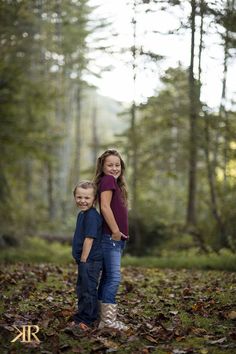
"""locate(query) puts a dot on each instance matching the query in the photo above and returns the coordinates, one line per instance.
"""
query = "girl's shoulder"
(107, 182)
(108, 178)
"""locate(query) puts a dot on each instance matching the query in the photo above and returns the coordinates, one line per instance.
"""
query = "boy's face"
(112, 166)
(84, 198)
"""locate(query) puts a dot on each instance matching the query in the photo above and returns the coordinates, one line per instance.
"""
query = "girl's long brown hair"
(120, 180)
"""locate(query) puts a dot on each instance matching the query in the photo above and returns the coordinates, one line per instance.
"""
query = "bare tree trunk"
(194, 100)
(223, 113)
(211, 181)
(202, 6)
(28, 180)
(77, 162)
(134, 157)
(95, 142)
(191, 208)
(5, 191)
(50, 186)
(59, 118)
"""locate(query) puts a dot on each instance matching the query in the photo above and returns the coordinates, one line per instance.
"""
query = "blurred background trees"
(181, 154)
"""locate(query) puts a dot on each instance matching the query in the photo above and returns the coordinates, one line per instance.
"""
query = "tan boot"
(108, 318)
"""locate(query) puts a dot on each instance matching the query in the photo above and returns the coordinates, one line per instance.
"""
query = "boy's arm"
(106, 197)
(88, 242)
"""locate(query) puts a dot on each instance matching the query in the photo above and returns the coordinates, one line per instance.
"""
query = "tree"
(193, 107)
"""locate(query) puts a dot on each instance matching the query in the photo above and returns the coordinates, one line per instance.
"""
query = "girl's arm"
(108, 214)
(88, 242)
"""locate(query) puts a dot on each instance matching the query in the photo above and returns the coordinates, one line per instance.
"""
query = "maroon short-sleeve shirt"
(118, 206)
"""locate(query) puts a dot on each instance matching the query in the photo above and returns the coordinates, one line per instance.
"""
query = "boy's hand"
(88, 242)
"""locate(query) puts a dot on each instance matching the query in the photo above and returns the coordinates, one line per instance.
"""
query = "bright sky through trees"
(118, 84)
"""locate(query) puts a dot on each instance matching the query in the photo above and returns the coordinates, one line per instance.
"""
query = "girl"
(112, 192)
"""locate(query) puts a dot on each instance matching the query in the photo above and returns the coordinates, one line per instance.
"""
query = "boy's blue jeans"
(86, 288)
(111, 274)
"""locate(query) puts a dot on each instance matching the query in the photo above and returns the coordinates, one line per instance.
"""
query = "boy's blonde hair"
(86, 185)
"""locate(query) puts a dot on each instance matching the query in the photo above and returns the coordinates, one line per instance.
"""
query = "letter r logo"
(27, 334)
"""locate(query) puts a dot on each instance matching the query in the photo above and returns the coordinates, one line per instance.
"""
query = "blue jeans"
(111, 274)
(86, 288)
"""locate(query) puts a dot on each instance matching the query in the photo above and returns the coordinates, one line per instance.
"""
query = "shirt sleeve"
(108, 183)
(92, 224)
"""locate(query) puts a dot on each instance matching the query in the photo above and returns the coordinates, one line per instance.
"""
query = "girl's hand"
(124, 237)
(116, 236)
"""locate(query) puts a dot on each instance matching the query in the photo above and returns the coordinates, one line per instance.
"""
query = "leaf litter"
(168, 311)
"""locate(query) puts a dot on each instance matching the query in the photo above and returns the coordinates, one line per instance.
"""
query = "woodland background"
(181, 171)
(180, 154)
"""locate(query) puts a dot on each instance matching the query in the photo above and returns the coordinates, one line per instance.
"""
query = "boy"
(86, 250)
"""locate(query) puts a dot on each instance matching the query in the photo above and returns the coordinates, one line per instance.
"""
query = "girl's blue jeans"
(111, 274)
(86, 288)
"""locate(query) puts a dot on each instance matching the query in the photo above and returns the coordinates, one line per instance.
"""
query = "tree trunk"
(59, 118)
(223, 113)
(77, 162)
(95, 142)
(211, 181)
(134, 158)
(202, 7)
(50, 184)
(191, 208)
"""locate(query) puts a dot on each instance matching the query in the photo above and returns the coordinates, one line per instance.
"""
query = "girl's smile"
(112, 166)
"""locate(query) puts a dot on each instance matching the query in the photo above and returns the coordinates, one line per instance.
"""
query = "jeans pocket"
(114, 239)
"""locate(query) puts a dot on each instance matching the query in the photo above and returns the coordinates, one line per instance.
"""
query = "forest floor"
(168, 311)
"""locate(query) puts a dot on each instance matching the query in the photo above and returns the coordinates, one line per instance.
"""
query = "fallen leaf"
(50, 298)
(179, 339)
(198, 331)
(151, 339)
(174, 313)
(232, 315)
(218, 341)
(179, 351)
(233, 335)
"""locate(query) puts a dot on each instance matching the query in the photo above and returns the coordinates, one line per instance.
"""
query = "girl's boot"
(108, 318)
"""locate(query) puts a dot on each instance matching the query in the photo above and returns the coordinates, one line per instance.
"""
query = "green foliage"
(41, 46)
(154, 234)
(43, 65)
(162, 150)
(37, 250)
(34, 250)
(162, 184)
(190, 259)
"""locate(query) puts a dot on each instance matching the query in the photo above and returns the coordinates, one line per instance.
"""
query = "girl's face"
(112, 166)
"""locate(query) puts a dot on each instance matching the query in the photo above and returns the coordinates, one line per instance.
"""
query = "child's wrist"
(116, 233)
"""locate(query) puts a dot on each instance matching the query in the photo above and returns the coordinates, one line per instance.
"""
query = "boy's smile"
(84, 198)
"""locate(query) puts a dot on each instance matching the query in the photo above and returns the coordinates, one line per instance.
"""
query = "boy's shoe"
(74, 325)
(83, 326)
